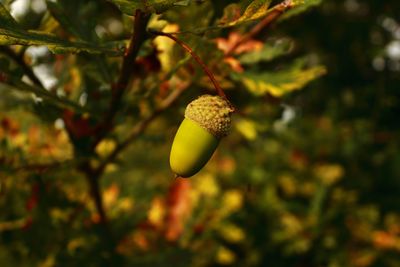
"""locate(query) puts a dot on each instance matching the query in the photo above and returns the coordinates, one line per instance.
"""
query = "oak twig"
(19, 59)
(196, 57)
(93, 180)
(136, 41)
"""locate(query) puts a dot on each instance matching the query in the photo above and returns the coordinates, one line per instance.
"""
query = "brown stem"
(137, 39)
(93, 179)
(118, 89)
(197, 58)
(95, 192)
(19, 59)
(276, 12)
(92, 175)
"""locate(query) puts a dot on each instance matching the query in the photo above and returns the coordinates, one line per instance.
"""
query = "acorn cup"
(207, 120)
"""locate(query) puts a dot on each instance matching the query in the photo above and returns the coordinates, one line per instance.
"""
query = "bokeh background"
(309, 176)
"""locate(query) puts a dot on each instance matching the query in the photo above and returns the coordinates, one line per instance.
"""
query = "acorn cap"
(213, 113)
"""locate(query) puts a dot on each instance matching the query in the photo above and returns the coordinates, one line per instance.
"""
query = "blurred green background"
(306, 178)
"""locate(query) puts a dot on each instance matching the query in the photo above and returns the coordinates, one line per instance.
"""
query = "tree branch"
(137, 39)
(19, 59)
(95, 193)
(276, 12)
(197, 58)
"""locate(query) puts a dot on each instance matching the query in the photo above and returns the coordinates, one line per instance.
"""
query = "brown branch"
(276, 12)
(140, 128)
(197, 58)
(19, 59)
(95, 193)
(136, 41)
(93, 182)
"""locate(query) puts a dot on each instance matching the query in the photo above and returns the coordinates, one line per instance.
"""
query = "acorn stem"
(196, 57)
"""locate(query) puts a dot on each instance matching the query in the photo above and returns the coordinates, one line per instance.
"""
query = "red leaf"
(78, 126)
(180, 207)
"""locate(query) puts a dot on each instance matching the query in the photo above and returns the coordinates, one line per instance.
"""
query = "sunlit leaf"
(281, 82)
(232, 233)
(329, 173)
(255, 10)
(225, 256)
(247, 128)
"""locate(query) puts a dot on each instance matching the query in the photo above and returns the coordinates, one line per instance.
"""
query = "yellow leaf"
(247, 128)
(110, 195)
(48, 262)
(207, 185)
(280, 83)
(231, 233)
(157, 211)
(225, 256)
(75, 244)
(329, 173)
(105, 147)
(19, 140)
(288, 184)
(126, 204)
(255, 10)
(232, 200)
(166, 46)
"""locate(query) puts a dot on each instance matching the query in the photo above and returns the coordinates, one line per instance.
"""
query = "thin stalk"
(196, 57)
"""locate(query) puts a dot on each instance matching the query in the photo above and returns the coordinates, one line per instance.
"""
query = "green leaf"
(255, 10)
(62, 12)
(281, 82)
(12, 34)
(268, 52)
(150, 6)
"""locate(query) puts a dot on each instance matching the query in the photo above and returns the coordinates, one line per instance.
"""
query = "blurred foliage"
(307, 177)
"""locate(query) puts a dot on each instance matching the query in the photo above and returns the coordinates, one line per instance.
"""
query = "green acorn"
(207, 120)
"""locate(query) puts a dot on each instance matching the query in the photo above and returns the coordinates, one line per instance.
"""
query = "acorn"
(207, 120)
